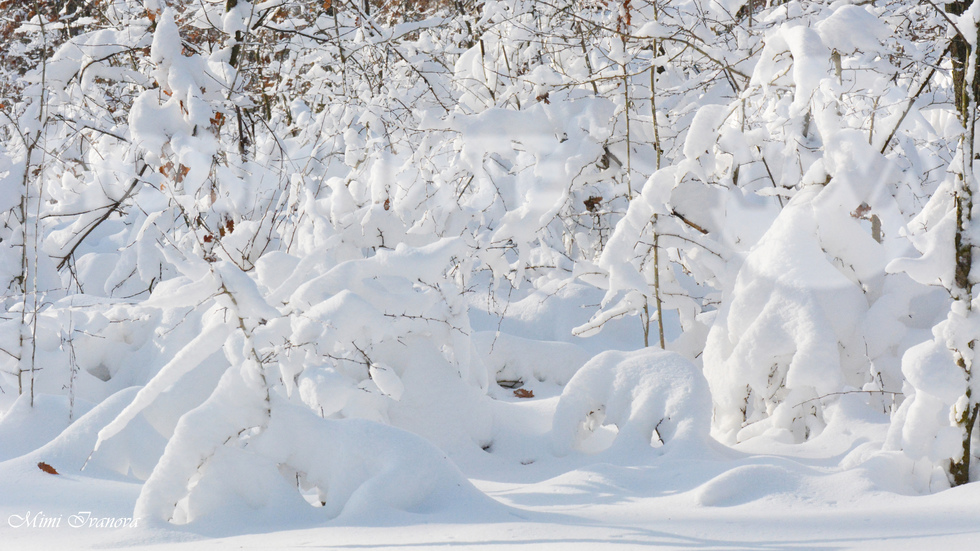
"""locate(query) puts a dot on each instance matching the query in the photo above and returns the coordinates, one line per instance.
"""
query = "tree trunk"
(962, 287)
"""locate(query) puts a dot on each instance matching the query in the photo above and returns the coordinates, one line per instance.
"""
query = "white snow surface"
(384, 488)
(646, 475)
(792, 498)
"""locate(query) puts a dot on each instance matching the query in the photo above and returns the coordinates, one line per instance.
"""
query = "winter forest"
(550, 272)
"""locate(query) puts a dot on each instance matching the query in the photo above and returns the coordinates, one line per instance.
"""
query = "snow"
(764, 337)
(931, 368)
(685, 275)
(208, 342)
(852, 28)
(394, 489)
(651, 396)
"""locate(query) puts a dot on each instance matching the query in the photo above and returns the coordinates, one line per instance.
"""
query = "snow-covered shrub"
(734, 150)
(387, 338)
(652, 397)
(517, 361)
(778, 344)
(376, 338)
(353, 467)
(735, 222)
(923, 429)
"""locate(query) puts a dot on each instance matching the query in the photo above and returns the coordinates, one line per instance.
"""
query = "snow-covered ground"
(761, 495)
(554, 474)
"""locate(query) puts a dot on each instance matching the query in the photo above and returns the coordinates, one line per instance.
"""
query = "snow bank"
(105, 487)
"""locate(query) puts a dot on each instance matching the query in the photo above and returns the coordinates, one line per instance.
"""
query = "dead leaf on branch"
(592, 203)
(862, 211)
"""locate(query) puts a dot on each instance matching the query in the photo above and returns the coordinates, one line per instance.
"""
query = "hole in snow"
(100, 371)
(310, 492)
(313, 498)
(601, 438)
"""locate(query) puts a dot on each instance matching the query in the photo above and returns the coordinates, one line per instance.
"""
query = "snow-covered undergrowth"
(651, 397)
(293, 263)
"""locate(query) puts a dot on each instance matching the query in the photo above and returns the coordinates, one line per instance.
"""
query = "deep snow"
(833, 492)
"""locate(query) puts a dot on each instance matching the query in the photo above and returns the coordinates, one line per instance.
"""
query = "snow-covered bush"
(652, 397)
(735, 233)
(785, 338)
(934, 428)
(352, 467)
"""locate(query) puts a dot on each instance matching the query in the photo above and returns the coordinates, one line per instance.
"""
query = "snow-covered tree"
(936, 424)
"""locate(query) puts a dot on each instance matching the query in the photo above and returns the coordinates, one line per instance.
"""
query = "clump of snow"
(852, 28)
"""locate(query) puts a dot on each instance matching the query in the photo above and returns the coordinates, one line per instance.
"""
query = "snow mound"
(24, 428)
(131, 455)
(651, 396)
(785, 336)
(747, 483)
(302, 470)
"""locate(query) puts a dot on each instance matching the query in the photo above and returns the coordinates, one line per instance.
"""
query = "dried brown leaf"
(592, 203)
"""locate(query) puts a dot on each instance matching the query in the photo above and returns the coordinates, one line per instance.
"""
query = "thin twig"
(105, 216)
(911, 102)
(850, 392)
